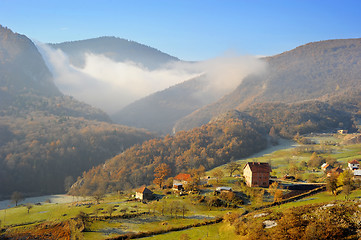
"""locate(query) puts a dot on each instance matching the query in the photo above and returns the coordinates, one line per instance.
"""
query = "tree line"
(209, 146)
(39, 154)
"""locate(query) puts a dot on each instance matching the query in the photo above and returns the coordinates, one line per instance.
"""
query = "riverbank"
(58, 198)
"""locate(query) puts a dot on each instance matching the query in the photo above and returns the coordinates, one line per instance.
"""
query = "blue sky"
(188, 29)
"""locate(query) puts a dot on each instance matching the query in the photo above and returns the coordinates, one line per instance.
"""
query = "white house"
(353, 165)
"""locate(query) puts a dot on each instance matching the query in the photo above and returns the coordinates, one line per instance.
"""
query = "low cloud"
(112, 85)
(226, 72)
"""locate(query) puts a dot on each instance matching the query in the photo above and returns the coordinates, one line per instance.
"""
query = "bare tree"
(29, 206)
(183, 209)
(17, 197)
(232, 167)
(98, 196)
(110, 210)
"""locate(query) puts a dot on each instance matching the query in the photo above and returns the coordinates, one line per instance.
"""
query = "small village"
(200, 199)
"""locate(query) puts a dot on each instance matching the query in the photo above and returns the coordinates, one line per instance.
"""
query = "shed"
(144, 193)
(223, 189)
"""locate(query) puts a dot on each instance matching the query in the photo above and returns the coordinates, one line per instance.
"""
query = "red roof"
(183, 177)
(144, 190)
(354, 162)
(259, 167)
(338, 169)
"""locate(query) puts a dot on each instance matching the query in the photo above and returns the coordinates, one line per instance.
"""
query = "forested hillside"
(209, 146)
(38, 153)
(46, 137)
(315, 71)
(302, 118)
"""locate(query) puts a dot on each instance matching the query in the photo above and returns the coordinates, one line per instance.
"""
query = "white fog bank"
(111, 85)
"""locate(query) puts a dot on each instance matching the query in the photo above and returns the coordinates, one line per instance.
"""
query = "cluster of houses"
(353, 166)
(256, 174)
(329, 170)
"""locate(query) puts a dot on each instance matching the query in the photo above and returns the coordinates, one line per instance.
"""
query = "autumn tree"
(331, 183)
(345, 179)
(218, 174)
(276, 192)
(160, 173)
(315, 160)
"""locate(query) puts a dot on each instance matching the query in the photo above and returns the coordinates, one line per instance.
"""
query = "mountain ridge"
(117, 49)
(313, 71)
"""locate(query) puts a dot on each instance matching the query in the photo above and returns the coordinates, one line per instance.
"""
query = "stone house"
(257, 174)
(144, 193)
(180, 180)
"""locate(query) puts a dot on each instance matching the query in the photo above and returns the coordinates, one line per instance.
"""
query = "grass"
(209, 232)
(279, 160)
(323, 197)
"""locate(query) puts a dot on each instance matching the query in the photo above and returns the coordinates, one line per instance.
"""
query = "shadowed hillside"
(45, 136)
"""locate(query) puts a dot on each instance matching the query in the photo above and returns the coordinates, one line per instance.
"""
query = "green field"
(167, 213)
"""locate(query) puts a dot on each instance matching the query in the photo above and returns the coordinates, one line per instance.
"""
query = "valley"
(233, 147)
(117, 214)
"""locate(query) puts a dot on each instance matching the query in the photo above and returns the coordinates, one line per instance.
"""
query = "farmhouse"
(144, 193)
(326, 167)
(337, 171)
(257, 174)
(182, 178)
(353, 165)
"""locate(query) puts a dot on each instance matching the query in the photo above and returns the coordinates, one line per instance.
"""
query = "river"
(59, 198)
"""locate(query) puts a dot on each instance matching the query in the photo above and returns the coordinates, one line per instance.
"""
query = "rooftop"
(354, 161)
(183, 177)
(144, 189)
(259, 167)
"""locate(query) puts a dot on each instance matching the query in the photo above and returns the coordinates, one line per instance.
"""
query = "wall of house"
(139, 195)
(247, 173)
(255, 179)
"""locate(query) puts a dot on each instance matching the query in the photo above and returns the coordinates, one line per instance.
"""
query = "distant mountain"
(45, 136)
(26, 84)
(315, 71)
(117, 49)
(159, 112)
